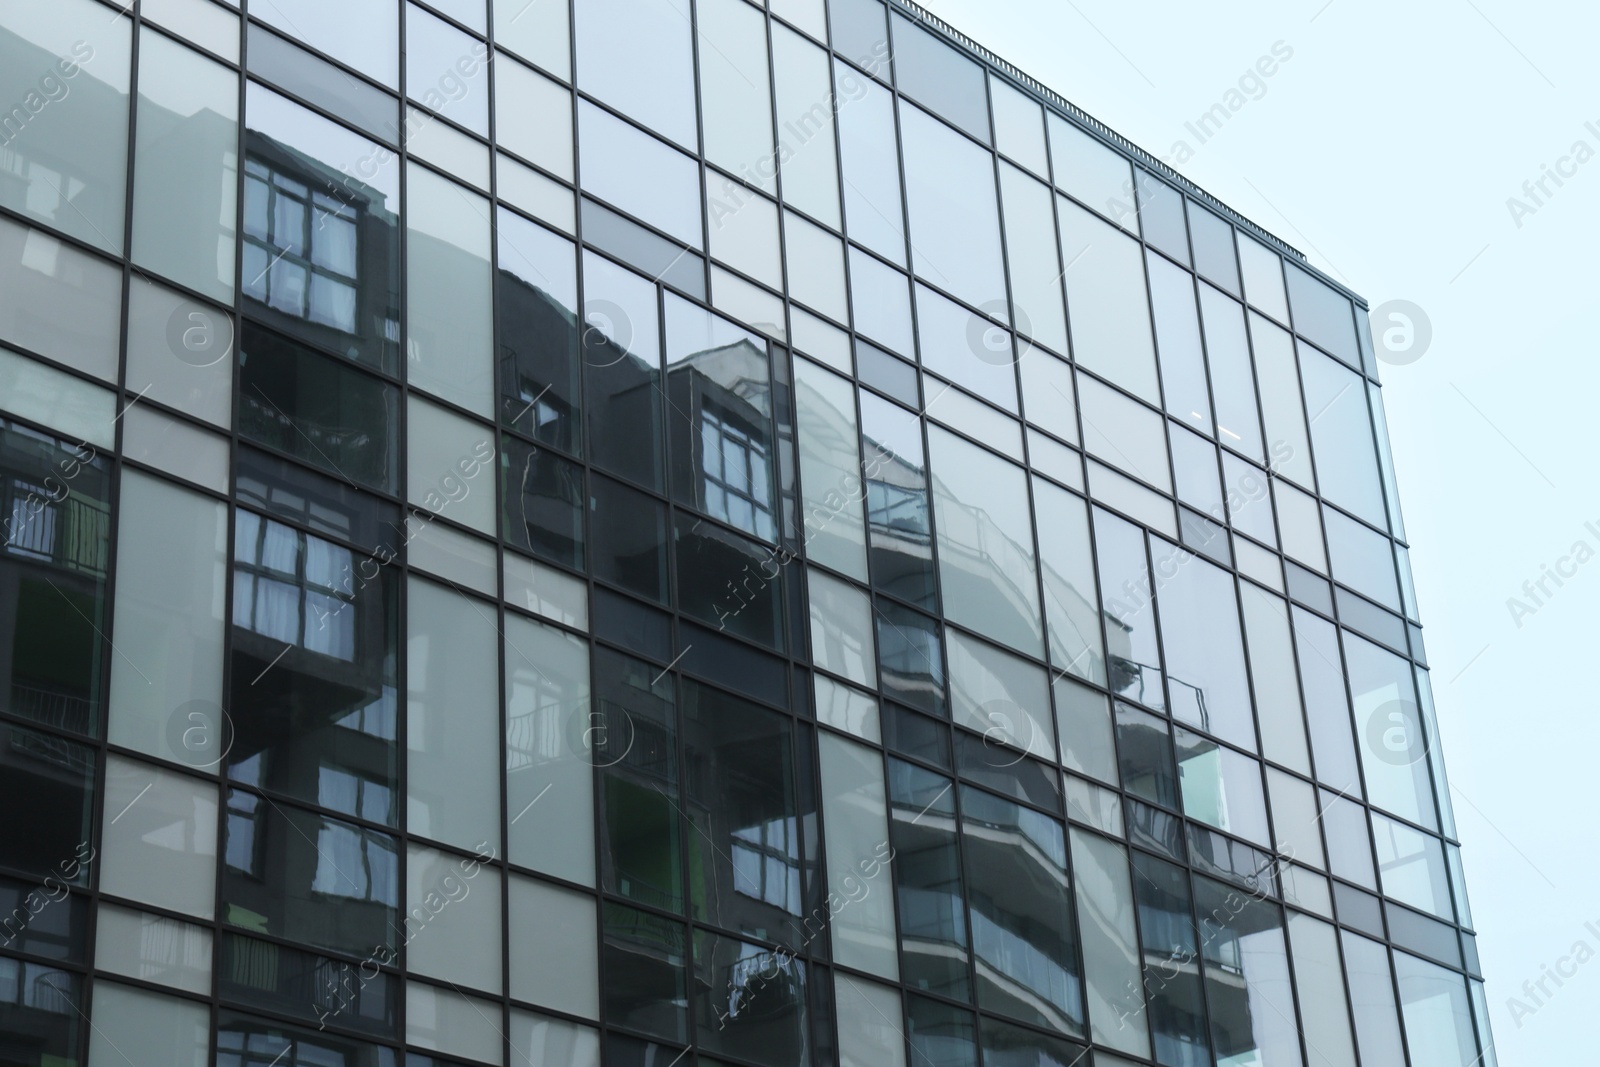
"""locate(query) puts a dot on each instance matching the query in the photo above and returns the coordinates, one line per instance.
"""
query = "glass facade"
(879, 569)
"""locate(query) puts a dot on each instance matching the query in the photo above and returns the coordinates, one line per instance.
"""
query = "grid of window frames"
(878, 569)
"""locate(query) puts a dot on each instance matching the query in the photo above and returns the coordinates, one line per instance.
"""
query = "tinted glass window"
(927, 868)
(1133, 657)
(724, 580)
(940, 78)
(536, 306)
(622, 370)
(315, 408)
(628, 532)
(955, 220)
(1106, 302)
(544, 503)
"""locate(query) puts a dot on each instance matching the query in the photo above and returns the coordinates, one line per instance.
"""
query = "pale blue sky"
(1386, 149)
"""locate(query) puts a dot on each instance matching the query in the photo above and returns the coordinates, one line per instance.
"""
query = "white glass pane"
(58, 301)
(637, 56)
(543, 590)
(67, 164)
(1288, 445)
(867, 141)
(967, 349)
(856, 840)
(450, 467)
(830, 465)
(446, 1020)
(1032, 259)
(452, 920)
(1048, 395)
(842, 629)
(180, 352)
(153, 948)
(185, 178)
(744, 233)
(1107, 303)
(450, 286)
(629, 169)
(1319, 986)
(1411, 867)
(807, 153)
(533, 115)
(452, 717)
(167, 636)
(735, 91)
(550, 924)
(882, 301)
(1263, 277)
(846, 709)
(540, 1041)
(1437, 1012)
(1124, 433)
(1019, 127)
(815, 260)
(452, 555)
(536, 31)
(175, 447)
(204, 23)
(870, 1033)
(1092, 173)
(549, 769)
(132, 1026)
(1233, 384)
(1070, 606)
(1372, 999)
(54, 398)
(446, 70)
(159, 845)
(955, 219)
(1274, 680)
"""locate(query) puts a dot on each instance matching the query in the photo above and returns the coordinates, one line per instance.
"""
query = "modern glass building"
(654, 532)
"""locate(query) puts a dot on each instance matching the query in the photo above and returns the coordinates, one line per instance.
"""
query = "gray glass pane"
(1397, 523)
(644, 250)
(1274, 679)
(713, 568)
(771, 991)
(536, 308)
(290, 67)
(450, 285)
(1001, 696)
(1288, 447)
(533, 115)
(882, 302)
(1023, 931)
(1295, 818)
(461, 939)
(1361, 558)
(1067, 567)
(544, 502)
(987, 570)
(859, 31)
(183, 166)
(1110, 943)
(807, 152)
(154, 948)
(637, 56)
(1183, 368)
(1144, 747)
(1214, 255)
(622, 360)
(935, 939)
(735, 91)
(1322, 315)
(1233, 384)
(841, 629)
(1161, 217)
(1411, 866)
(1221, 788)
(871, 165)
(552, 923)
(628, 168)
(955, 220)
(940, 78)
(1201, 640)
(59, 302)
(1106, 302)
(69, 161)
(1133, 657)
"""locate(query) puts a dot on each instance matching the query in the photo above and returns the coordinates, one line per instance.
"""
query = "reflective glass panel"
(1246, 977)
(1091, 172)
(1107, 303)
(68, 162)
(808, 157)
(828, 434)
(1214, 255)
(1067, 567)
(857, 845)
(1110, 942)
(1288, 446)
(933, 927)
(735, 91)
(449, 291)
(1341, 433)
(544, 503)
(1183, 369)
(940, 78)
(1171, 963)
(1392, 737)
(445, 70)
(1233, 384)
(955, 220)
(1032, 262)
(1201, 641)
(622, 361)
(638, 56)
(1221, 787)
(363, 34)
(899, 529)
(1133, 657)
(987, 570)
(631, 170)
(723, 579)
(871, 165)
(536, 308)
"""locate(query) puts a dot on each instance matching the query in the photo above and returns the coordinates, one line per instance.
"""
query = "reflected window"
(53, 781)
(544, 502)
(55, 527)
(927, 868)
(536, 301)
(635, 722)
(40, 1012)
(300, 249)
(1171, 963)
(752, 1002)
